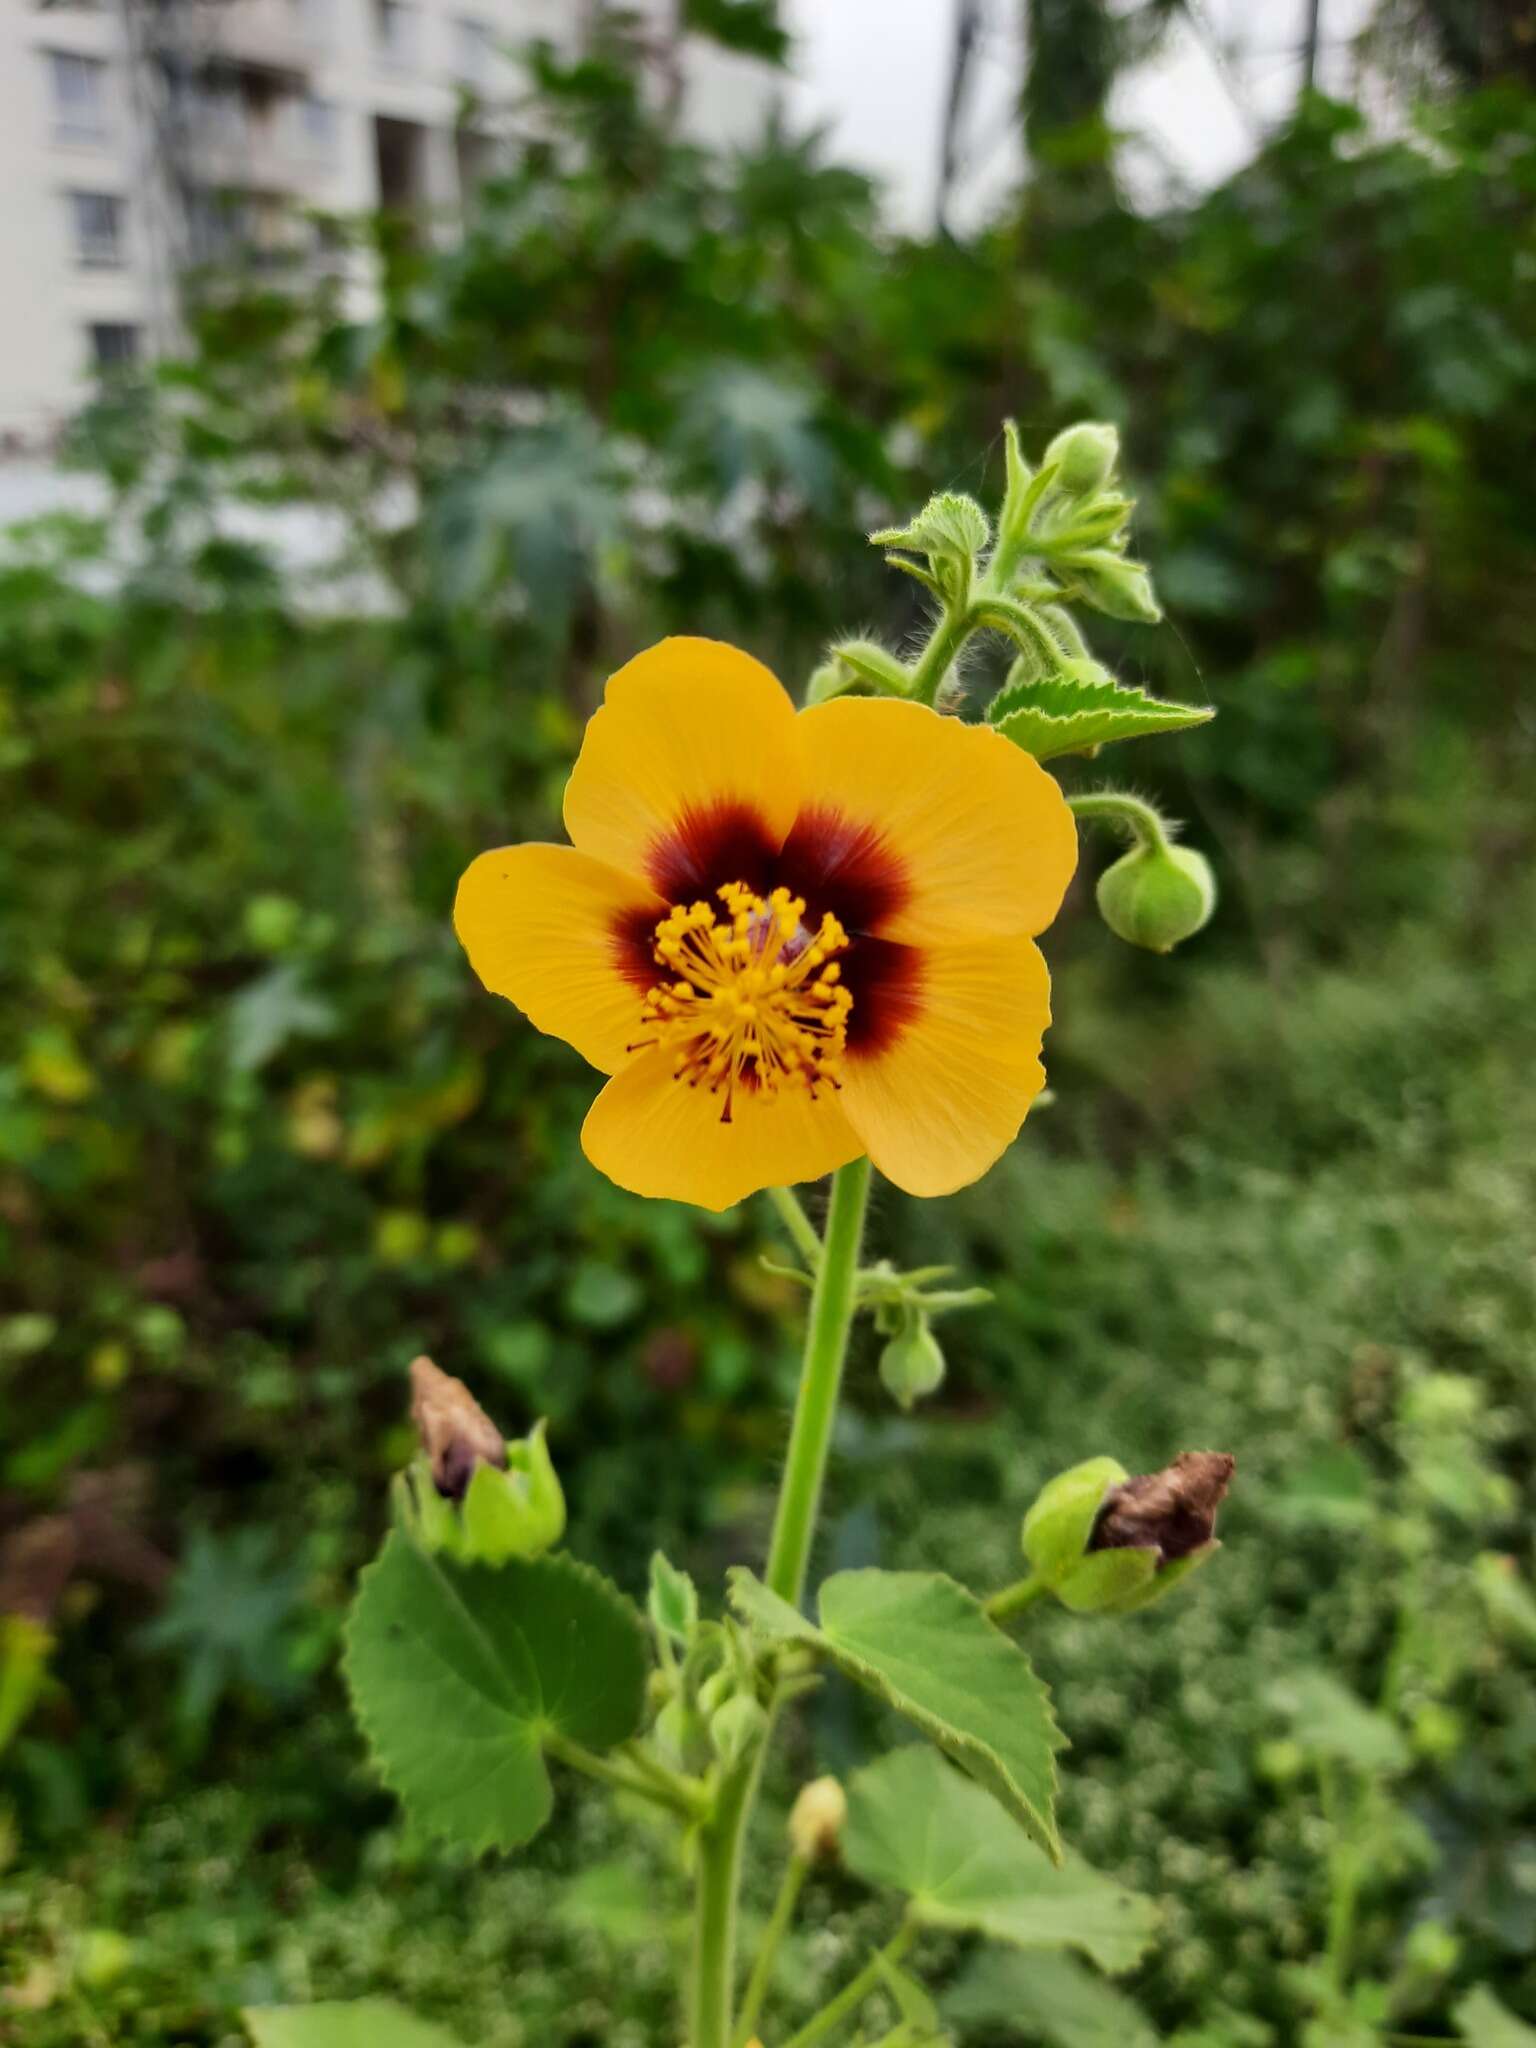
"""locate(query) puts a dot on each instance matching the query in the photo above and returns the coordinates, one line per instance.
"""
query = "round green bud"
(912, 1365)
(1087, 454)
(1157, 896)
(715, 1690)
(737, 1728)
(681, 1737)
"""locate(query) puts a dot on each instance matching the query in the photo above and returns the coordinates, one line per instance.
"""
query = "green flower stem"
(799, 1227)
(826, 1345)
(931, 667)
(1113, 807)
(1015, 1598)
(677, 1796)
(853, 1995)
(717, 1882)
(796, 1871)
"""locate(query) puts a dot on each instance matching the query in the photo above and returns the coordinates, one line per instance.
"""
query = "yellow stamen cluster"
(756, 999)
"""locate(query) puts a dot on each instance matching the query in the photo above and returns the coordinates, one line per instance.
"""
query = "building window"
(114, 345)
(474, 50)
(96, 221)
(394, 31)
(317, 126)
(79, 88)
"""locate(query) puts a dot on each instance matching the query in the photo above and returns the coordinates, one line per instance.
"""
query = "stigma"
(752, 998)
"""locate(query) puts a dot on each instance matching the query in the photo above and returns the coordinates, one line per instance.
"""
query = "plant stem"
(676, 1795)
(802, 1231)
(717, 1882)
(1015, 1598)
(1112, 807)
(795, 1873)
(853, 1994)
(932, 665)
(826, 1346)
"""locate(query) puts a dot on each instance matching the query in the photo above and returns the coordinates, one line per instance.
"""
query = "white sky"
(877, 72)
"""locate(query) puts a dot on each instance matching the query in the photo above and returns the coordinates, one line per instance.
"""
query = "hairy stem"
(1113, 807)
(718, 1879)
(821, 1375)
(675, 1793)
(798, 1226)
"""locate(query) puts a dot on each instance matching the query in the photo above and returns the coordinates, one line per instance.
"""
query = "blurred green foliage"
(262, 1138)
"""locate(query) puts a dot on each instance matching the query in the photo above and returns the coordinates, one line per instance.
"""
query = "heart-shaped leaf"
(461, 1674)
(918, 1826)
(922, 1643)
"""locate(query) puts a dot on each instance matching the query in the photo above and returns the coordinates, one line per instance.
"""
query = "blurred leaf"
(1329, 1721)
(751, 27)
(1484, 2023)
(1052, 1996)
(270, 1011)
(967, 1867)
(229, 1615)
(365, 2023)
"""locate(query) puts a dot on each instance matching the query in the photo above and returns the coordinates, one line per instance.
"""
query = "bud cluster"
(1104, 1542)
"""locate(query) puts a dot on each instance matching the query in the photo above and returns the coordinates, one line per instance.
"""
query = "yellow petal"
(566, 938)
(940, 1099)
(978, 834)
(689, 773)
(657, 1136)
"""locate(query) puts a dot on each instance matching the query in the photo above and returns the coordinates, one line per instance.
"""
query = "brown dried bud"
(1172, 1512)
(455, 1431)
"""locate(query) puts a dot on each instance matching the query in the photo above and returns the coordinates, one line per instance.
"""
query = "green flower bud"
(1157, 896)
(716, 1690)
(1087, 454)
(912, 1365)
(737, 1728)
(1113, 585)
(681, 1736)
(471, 1494)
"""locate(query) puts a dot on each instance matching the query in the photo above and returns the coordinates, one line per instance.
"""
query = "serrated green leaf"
(1052, 1996)
(967, 1867)
(1484, 2023)
(1327, 1720)
(949, 524)
(1082, 706)
(921, 1642)
(460, 1674)
(356, 2023)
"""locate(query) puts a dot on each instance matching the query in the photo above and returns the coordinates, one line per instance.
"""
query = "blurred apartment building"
(144, 140)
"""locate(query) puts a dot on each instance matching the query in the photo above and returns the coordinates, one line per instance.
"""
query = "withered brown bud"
(1172, 1512)
(455, 1431)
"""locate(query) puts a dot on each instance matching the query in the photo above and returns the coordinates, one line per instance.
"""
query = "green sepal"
(515, 1511)
(1079, 707)
(1106, 1580)
(1058, 1526)
(966, 1870)
(1162, 1583)
(1113, 584)
(462, 1675)
(921, 1642)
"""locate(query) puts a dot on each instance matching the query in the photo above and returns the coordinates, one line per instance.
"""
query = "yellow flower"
(789, 938)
